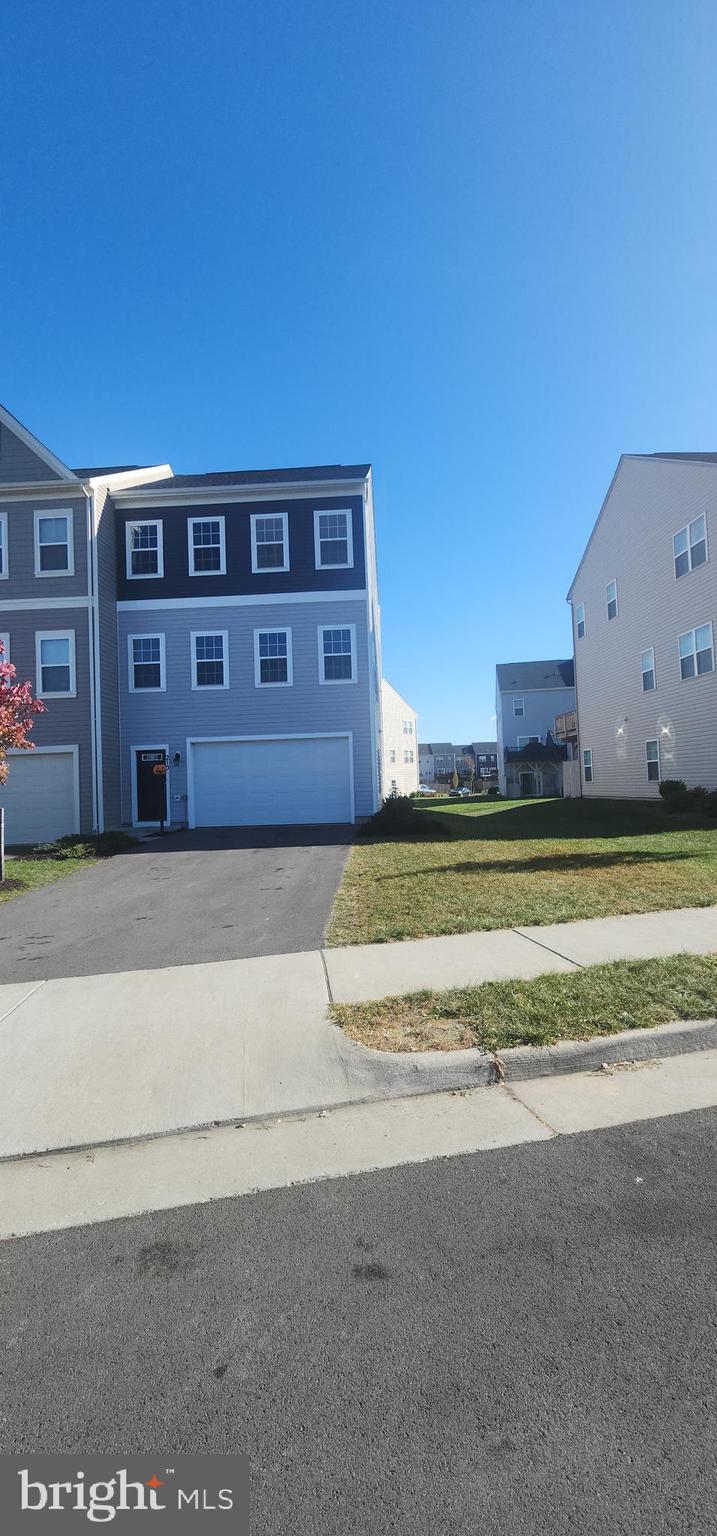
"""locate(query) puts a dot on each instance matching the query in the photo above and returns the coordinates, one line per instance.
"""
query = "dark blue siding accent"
(239, 579)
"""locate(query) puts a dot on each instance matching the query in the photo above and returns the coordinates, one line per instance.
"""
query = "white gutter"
(98, 814)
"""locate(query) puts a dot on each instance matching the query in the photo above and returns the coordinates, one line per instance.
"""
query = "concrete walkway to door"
(92, 1059)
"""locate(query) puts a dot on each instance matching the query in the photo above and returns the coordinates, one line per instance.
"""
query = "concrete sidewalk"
(94, 1059)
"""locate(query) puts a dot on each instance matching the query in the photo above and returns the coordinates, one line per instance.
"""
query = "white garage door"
(271, 783)
(39, 797)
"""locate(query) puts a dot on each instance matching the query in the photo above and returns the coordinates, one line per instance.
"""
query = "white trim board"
(37, 604)
(148, 746)
(296, 490)
(193, 741)
(234, 600)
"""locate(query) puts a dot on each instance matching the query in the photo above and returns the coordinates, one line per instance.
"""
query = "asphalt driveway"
(189, 897)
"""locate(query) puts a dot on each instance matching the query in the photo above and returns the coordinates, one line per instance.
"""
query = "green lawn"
(28, 874)
(504, 864)
(600, 1000)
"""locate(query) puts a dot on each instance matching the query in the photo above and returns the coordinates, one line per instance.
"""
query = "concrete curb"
(390, 1074)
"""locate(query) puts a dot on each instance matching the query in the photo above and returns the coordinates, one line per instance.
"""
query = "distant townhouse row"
(644, 605)
(439, 760)
(223, 627)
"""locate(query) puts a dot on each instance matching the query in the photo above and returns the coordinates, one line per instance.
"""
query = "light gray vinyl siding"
(540, 708)
(242, 709)
(109, 677)
(18, 463)
(22, 581)
(650, 500)
(66, 722)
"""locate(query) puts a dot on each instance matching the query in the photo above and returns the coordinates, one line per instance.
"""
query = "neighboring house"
(644, 606)
(400, 743)
(438, 760)
(224, 626)
(529, 694)
(485, 756)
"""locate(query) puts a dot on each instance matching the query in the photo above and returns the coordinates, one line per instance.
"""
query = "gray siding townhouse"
(438, 760)
(224, 627)
(644, 607)
(529, 694)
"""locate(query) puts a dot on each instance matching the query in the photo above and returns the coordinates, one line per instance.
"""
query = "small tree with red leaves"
(17, 707)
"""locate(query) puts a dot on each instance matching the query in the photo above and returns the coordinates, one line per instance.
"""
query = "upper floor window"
(690, 546)
(611, 595)
(337, 655)
(333, 540)
(408, 756)
(580, 620)
(146, 663)
(407, 727)
(210, 660)
(207, 554)
(519, 706)
(647, 662)
(4, 571)
(145, 555)
(652, 753)
(588, 765)
(696, 652)
(55, 663)
(270, 542)
(392, 755)
(54, 554)
(273, 658)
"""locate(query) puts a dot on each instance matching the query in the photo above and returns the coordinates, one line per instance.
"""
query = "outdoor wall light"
(177, 759)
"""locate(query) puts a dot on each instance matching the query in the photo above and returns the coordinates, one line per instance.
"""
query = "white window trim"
(55, 634)
(337, 682)
(608, 600)
(144, 522)
(648, 651)
(274, 629)
(196, 634)
(580, 609)
(53, 512)
(408, 756)
(588, 752)
(273, 569)
(343, 565)
(391, 751)
(5, 640)
(407, 727)
(5, 572)
(519, 713)
(147, 634)
(706, 624)
(222, 569)
(688, 551)
(654, 741)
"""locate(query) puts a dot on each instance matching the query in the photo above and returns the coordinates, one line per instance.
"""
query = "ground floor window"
(652, 752)
(588, 765)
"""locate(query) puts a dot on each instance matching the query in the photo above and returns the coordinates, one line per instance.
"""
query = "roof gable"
(23, 458)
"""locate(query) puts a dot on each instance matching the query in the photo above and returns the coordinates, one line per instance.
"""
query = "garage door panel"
(39, 797)
(272, 783)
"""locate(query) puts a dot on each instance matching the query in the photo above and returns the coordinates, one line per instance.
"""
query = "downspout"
(94, 659)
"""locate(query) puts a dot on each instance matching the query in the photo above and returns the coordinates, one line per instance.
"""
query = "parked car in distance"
(425, 789)
(459, 794)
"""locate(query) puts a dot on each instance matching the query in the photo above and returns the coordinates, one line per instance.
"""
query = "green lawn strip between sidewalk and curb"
(599, 1000)
(505, 864)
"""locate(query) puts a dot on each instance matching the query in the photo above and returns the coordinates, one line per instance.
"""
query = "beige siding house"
(644, 608)
(400, 743)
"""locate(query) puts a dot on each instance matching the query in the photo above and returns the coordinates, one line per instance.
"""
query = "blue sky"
(474, 243)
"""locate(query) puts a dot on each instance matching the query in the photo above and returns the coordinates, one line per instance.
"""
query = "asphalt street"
(519, 1341)
(257, 891)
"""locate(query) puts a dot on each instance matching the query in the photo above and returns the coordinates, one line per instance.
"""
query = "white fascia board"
(129, 478)
(35, 446)
(189, 495)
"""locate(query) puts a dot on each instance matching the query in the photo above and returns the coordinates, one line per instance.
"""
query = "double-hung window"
(652, 754)
(55, 663)
(54, 553)
(647, 663)
(210, 659)
(272, 658)
(4, 570)
(611, 598)
(337, 654)
(580, 621)
(588, 765)
(696, 652)
(146, 663)
(5, 643)
(270, 542)
(145, 556)
(407, 727)
(518, 706)
(690, 546)
(333, 540)
(408, 756)
(392, 755)
(206, 539)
